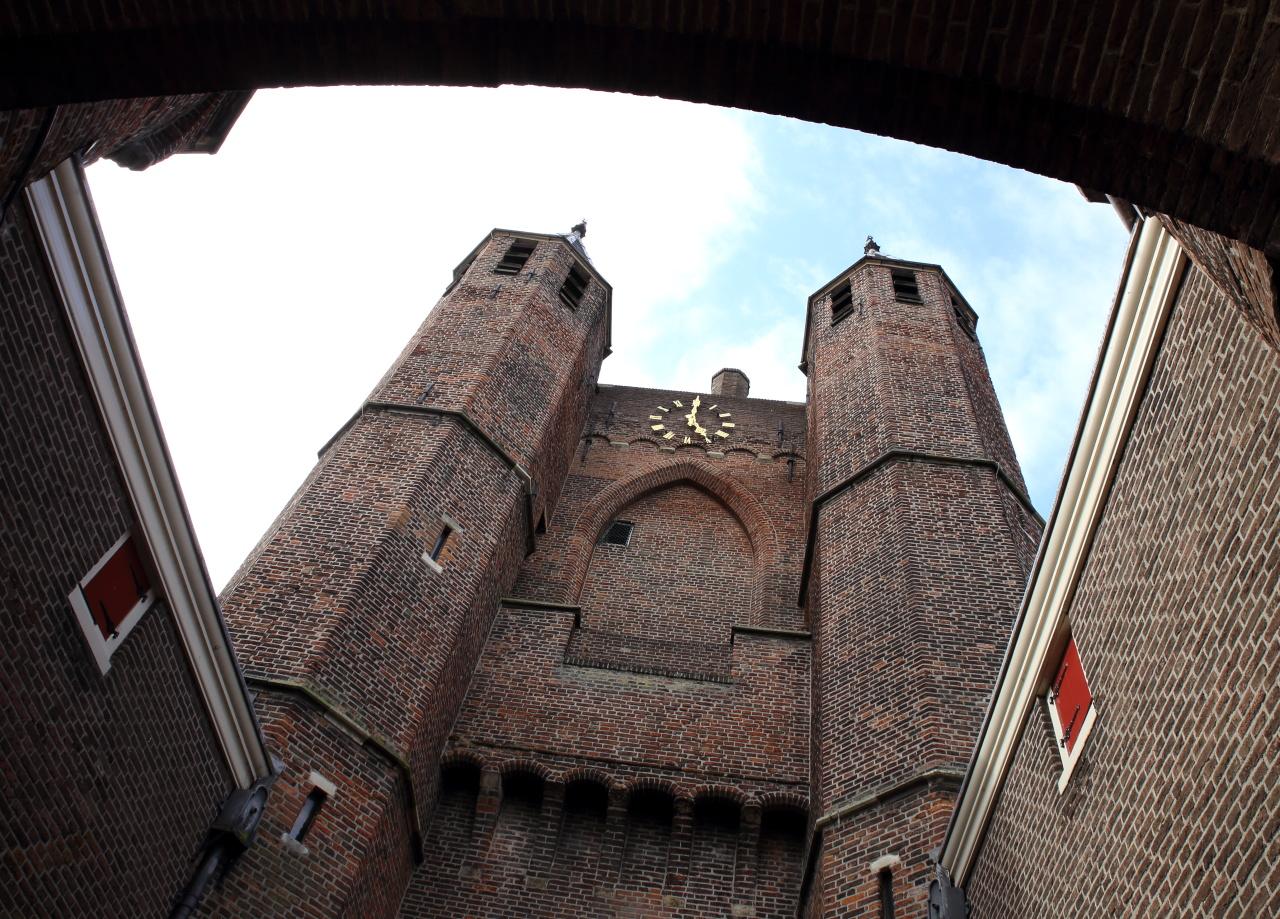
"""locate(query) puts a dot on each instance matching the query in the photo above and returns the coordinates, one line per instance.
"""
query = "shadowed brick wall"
(135, 132)
(1170, 106)
(85, 756)
(1174, 805)
(921, 542)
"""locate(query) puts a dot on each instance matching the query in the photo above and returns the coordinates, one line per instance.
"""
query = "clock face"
(688, 421)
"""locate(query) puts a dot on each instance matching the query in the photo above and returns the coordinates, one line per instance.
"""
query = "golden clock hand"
(692, 417)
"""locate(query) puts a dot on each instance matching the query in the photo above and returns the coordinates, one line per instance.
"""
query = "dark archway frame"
(1171, 110)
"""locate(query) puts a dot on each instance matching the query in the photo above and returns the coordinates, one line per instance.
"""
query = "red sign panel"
(1071, 697)
(116, 588)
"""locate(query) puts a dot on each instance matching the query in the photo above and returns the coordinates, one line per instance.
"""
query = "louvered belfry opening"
(905, 289)
(575, 284)
(515, 257)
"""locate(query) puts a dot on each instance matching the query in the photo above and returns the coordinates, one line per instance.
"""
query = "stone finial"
(872, 247)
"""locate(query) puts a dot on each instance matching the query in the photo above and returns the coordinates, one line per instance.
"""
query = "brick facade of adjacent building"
(110, 780)
(1173, 809)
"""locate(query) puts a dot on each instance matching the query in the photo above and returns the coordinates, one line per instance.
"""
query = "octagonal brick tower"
(921, 537)
(361, 614)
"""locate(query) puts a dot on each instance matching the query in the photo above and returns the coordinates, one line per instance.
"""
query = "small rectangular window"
(516, 257)
(1071, 709)
(575, 284)
(617, 533)
(905, 289)
(886, 894)
(841, 302)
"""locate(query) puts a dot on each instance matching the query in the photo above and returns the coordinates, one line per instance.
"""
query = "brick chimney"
(730, 382)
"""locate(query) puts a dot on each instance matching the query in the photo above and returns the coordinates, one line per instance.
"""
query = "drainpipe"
(946, 901)
(231, 833)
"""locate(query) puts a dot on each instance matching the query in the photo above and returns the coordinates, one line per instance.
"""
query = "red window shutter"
(116, 589)
(1071, 697)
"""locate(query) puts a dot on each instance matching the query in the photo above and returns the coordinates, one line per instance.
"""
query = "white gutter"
(1142, 310)
(64, 216)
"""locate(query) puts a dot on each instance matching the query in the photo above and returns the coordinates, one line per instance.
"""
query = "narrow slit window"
(575, 284)
(841, 302)
(905, 289)
(886, 894)
(516, 256)
(307, 814)
(617, 533)
(442, 550)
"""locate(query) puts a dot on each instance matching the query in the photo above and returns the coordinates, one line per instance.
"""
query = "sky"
(270, 286)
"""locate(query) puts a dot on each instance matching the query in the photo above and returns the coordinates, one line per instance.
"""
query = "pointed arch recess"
(760, 530)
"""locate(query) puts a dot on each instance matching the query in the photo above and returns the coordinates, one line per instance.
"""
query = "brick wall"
(337, 605)
(757, 473)
(920, 544)
(528, 841)
(85, 755)
(1173, 808)
(1242, 274)
(1079, 92)
(659, 735)
(37, 139)
(685, 575)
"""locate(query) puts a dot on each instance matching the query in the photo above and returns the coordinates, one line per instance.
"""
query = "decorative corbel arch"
(715, 792)
(587, 774)
(760, 530)
(462, 757)
(785, 801)
(650, 783)
(527, 767)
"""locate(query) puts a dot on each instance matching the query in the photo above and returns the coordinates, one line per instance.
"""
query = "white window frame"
(1071, 757)
(101, 648)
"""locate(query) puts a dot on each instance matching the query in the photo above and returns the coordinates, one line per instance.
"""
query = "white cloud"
(271, 285)
(769, 360)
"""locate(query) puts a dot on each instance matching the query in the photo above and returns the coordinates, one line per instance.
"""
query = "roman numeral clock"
(691, 424)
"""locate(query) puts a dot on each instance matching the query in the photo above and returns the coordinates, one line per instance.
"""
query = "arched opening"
(519, 823)
(582, 834)
(650, 812)
(684, 574)
(1077, 94)
(716, 826)
(779, 865)
(450, 836)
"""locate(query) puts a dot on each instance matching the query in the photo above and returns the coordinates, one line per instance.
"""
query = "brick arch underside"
(576, 842)
(1079, 92)
(756, 524)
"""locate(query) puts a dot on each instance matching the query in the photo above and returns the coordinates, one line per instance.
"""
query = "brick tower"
(360, 616)
(528, 645)
(920, 540)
